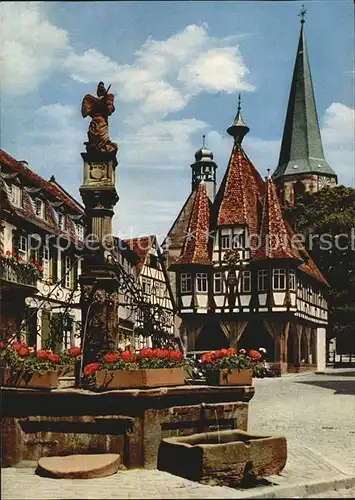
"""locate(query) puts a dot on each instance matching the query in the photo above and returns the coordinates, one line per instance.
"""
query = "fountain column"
(99, 280)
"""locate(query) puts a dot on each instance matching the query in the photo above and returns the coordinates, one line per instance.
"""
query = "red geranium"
(74, 351)
(42, 354)
(128, 356)
(19, 258)
(3, 345)
(91, 368)
(111, 357)
(208, 357)
(23, 351)
(175, 355)
(147, 352)
(160, 353)
(254, 355)
(16, 346)
(222, 353)
(54, 358)
(232, 351)
(242, 351)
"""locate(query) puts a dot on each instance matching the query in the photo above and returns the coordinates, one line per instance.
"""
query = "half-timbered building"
(242, 278)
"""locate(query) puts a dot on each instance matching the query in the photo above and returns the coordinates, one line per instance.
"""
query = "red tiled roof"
(49, 187)
(195, 249)
(275, 239)
(141, 247)
(238, 196)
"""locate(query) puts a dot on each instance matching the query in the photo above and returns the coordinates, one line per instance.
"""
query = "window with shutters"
(22, 246)
(201, 282)
(16, 195)
(292, 280)
(186, 283)
(54, 264)
(45, 262)
(225, 241)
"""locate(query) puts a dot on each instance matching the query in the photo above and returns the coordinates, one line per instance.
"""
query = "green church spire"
(301, 148)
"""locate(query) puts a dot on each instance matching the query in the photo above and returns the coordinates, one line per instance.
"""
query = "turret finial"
(302, 14)
(203, 140)
(238, 129)
(239, 103)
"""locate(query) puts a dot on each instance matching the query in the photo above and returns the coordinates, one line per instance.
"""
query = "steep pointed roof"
(195, 249)
(177, 232)
(301, 148)
(241, 188)
(275, 240)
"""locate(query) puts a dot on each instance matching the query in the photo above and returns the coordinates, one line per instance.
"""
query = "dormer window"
(61, 221)
(186, 283)
(16, 196)
(39, 208)
(279, 279)
(225, 241)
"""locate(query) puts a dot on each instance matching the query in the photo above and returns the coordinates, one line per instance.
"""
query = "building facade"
(239, 279)
(41, 244)
(302, 166)
(156, 291)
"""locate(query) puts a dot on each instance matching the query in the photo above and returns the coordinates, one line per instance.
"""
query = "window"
(292, 281)
(262, 280)
(45, 262)
(225, 241)
(68, 272)
(218, 283)
(39, 208)
(186, 283)
(201, 282)
(239, 240)
(246, 281)
(61, 221)
(23, 247)
(16, 195)
(80, 231)
(279, 279)
(146, 285)
(54, 264)
(153, 261)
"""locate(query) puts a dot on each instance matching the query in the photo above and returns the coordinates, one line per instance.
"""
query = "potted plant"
(68, 362)
(128, 369)
(229, 367)
(22, 366)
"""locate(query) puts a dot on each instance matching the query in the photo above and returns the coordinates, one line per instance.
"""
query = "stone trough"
(223, 457)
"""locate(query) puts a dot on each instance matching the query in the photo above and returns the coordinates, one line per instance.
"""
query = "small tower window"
(279, 279)
(246, 281)
(61, 221)
(262, 280)
(186, 283)
(146, 285)
(292, 280)
(201, 282)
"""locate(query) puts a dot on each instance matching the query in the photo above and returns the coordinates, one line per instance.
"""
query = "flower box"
(230, 377)
(47, 380)
(66, 371)
(152, 377)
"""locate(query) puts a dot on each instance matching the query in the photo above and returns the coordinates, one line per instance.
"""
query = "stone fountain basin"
(223, 457)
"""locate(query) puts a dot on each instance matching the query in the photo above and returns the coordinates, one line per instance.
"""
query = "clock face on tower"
(323, 181)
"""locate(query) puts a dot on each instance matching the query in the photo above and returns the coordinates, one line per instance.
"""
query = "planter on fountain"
(153, 377)
(229, 377)
(34, 380)
(223, 457)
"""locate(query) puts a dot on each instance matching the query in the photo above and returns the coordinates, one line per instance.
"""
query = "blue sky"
(176, 69)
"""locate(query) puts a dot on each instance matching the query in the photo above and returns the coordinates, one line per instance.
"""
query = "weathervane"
(302, 13)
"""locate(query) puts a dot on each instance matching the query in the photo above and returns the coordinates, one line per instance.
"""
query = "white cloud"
(166, 74)
(30, 47)
(338, 141)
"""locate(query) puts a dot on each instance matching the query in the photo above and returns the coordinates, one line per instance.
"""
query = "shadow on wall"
(338, 386)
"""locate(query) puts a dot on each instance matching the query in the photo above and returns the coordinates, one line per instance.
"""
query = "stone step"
(79, 466)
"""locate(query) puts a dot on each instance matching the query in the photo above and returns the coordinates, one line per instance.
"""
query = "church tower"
(302, 166)
(204, 169)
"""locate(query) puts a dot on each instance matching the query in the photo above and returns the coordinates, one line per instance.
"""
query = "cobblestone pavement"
(316, 413)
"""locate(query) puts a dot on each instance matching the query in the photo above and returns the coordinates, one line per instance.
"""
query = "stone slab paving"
(315, 412)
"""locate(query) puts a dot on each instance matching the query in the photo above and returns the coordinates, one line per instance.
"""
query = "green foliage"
(327, 220)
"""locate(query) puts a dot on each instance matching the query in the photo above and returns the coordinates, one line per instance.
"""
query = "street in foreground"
(316, 413)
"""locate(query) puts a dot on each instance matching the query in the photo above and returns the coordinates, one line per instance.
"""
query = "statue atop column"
(99, 109)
